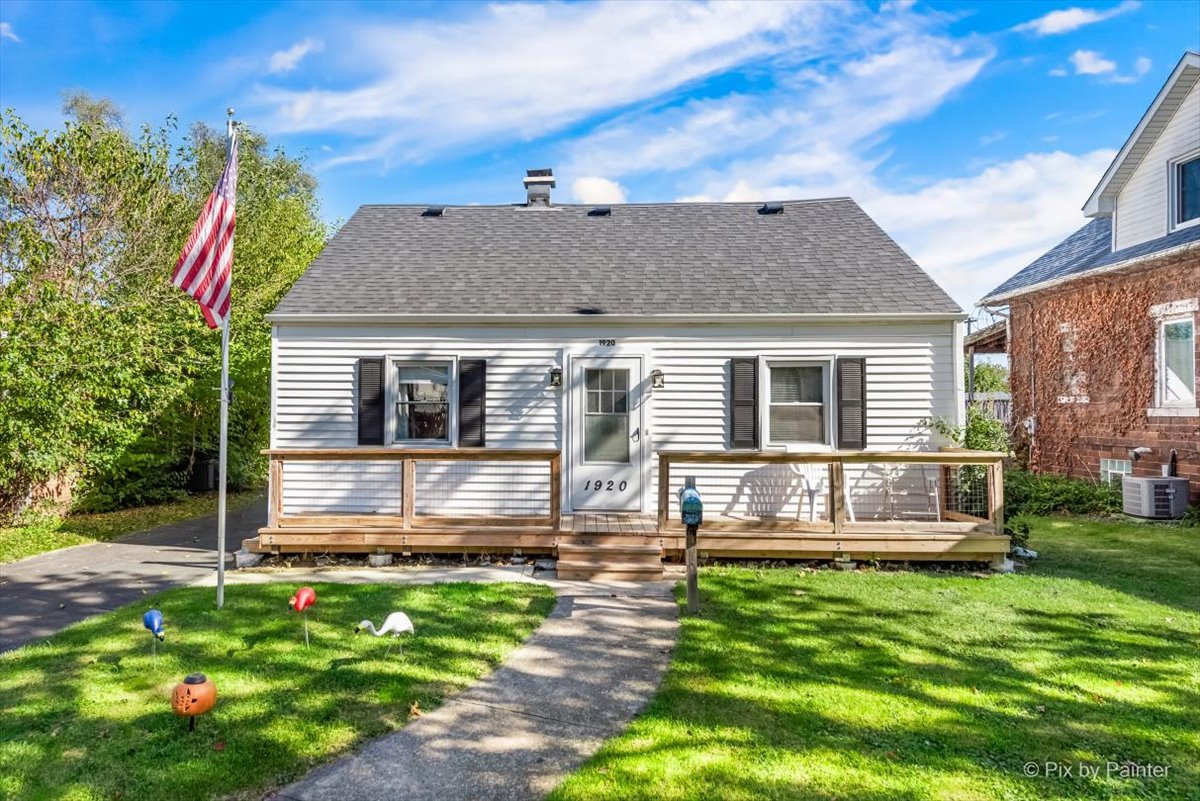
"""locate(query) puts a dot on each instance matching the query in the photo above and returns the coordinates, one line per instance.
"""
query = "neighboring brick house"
(1102, 329)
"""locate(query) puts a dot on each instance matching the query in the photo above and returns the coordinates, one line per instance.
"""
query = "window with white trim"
(1176, 362)
(421, 393)
(798, 403)
(1074, 377)
(1185, 191)
(1111, 470)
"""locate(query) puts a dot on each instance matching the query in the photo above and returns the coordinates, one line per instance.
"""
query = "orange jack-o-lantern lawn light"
(194, 696)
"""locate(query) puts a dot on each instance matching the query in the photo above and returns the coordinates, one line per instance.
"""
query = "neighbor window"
(422, 400)
(1074, 377)
(1111, 470)
(1177, 363)
(797, 394)
(1186, 191)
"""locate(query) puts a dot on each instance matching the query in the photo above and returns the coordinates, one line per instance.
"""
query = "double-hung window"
(1176, 362)
(1185, 191)
(798, 397)
(421, 396)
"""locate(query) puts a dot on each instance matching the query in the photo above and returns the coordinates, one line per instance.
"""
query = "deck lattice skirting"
(899, 505)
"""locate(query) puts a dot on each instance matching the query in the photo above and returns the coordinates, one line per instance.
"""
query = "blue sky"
(972, 132)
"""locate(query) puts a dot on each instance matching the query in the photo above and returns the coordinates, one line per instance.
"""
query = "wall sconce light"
(657, 379)
(556, 377)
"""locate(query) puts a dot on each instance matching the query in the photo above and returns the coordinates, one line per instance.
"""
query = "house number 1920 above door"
(608, 342)
(609, 486)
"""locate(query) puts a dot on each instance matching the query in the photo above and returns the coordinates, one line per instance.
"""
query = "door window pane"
(797, 403)
(1178, 370)
(423, 402)
(606, 419)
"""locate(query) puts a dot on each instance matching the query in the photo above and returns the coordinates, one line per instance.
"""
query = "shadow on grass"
(87, 715)
(1156, 561)
(844, 686)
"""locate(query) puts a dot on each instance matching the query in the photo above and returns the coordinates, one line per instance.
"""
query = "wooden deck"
(954, 536)
(884, 540)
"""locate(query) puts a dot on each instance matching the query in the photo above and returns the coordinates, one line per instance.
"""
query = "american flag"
(204, 269)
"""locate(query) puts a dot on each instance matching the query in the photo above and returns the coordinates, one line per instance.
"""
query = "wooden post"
(693, 586)
(556, 491)
(408, 485)
(837, 495)
(275, 492)
(664, 491)
(996, 494)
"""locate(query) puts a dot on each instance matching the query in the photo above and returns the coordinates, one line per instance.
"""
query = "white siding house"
(1145, 189)
(464, 344)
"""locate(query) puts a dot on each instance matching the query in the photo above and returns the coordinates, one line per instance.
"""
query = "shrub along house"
(1102, 328)
(542, 378)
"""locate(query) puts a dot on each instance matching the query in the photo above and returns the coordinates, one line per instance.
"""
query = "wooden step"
(636, 549)
(611, 572)
(627, 561)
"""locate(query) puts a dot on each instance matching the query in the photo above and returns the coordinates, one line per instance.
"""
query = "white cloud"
(287, 60)
(7, 32)
(1068, 19)
(594, 189)
(1089, 62)
(521, 70)
(992, 138)
(1058, 72)
(819, 132)
(972, 233)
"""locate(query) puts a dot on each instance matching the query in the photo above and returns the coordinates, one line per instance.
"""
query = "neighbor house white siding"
(911, 376)
(1142, 204)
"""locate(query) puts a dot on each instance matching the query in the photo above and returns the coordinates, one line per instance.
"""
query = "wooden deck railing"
(989, 476)
(409, 458)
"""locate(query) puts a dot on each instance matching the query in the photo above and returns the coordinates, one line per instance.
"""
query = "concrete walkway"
(44, 593)
(514, 735)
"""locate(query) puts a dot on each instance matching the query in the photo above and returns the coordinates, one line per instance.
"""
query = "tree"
(107, 372)
(989, 377)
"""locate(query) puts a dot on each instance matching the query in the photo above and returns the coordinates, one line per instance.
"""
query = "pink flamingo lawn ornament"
(304, 598)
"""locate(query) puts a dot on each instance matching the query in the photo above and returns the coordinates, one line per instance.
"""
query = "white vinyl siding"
(1143, 205)
(910, 376)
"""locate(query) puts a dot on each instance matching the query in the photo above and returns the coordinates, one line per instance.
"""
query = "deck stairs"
(608, 559)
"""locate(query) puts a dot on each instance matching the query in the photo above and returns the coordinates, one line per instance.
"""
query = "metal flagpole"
(223, 463)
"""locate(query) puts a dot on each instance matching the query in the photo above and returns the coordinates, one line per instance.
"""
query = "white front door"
(607, 433)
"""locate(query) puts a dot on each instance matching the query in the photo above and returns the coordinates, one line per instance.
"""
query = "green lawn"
(50, 534)
(906, 685)
(87, 715)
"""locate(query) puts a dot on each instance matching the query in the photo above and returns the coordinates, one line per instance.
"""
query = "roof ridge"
(650, 204)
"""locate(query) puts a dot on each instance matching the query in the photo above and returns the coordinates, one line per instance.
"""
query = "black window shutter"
(472, 394)
(370, 401)
(743, 403)
(852, 404)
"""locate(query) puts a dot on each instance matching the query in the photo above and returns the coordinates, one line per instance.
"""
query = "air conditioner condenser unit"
(1154, 498)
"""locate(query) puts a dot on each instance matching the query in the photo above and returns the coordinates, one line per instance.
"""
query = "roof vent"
(601, 211)
(771, 208)
(434, 211)
(538, 184)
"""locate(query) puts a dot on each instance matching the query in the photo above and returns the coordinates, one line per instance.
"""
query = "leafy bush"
(1028, 493)
(982, 432)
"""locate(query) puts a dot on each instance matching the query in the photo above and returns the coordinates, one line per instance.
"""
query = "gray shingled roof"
(818, 256)
(1089, 248)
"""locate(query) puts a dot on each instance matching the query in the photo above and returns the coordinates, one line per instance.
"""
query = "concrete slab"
(578, 680)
